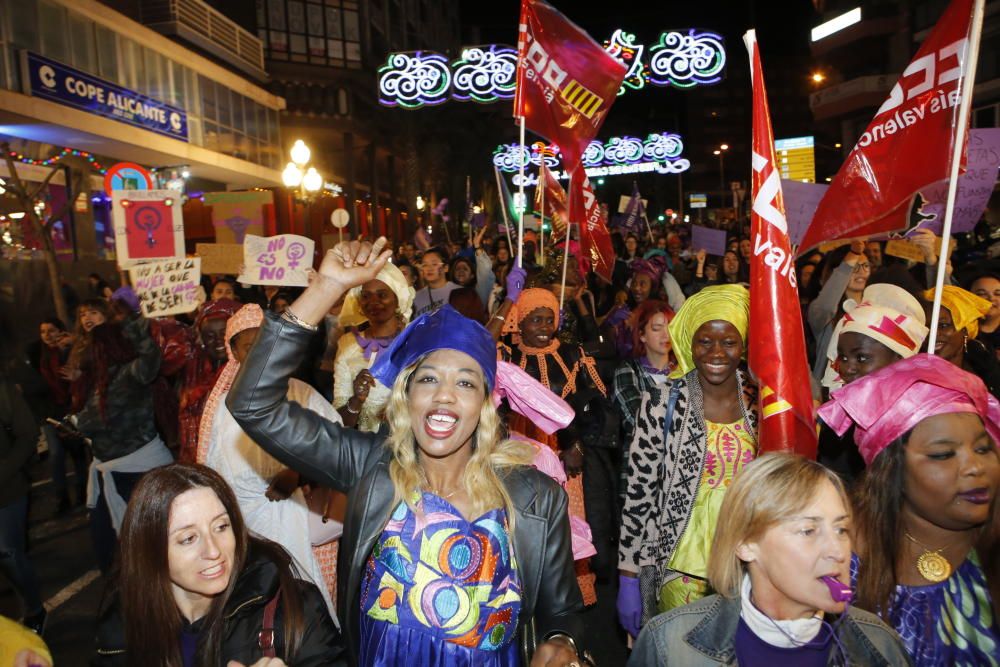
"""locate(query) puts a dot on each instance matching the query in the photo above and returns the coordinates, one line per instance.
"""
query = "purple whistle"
(838, 591)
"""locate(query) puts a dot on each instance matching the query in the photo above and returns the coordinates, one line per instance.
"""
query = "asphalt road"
(59, 548)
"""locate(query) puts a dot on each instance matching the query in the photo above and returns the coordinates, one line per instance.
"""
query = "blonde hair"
(770, 490)
(491, 453)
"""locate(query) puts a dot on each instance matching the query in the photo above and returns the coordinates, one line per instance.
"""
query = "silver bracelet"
(294, 319)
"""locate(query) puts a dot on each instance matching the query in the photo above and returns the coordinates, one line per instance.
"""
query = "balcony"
(195, 22)
(850, 96)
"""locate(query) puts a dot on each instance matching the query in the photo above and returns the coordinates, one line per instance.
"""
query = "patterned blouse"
(440, 591)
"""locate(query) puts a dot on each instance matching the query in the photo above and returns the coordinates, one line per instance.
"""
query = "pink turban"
(891, 402)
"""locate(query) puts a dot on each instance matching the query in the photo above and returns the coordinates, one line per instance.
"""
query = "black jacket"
(18, 442)
(357, 463)
(244, 617)
(128, 422)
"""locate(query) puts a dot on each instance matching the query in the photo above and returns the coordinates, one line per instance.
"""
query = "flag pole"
(967, 83)
(562, 290)
(520, 217)
(541, 225)
(503, 208)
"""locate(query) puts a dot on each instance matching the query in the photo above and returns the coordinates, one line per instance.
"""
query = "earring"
(965, 343)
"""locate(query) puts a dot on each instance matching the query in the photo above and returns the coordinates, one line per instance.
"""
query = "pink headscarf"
(891, 402)
(249, 316)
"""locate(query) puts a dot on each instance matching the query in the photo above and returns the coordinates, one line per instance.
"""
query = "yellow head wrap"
(966, 308)
(730, 303)
(350, 313)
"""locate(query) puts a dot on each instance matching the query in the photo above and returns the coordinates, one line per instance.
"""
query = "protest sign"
(167, 287)
(909, 250)
(238, 214)
(277, 260)
(220, 258)
(148, 225)
(801, 201)
(712, 241)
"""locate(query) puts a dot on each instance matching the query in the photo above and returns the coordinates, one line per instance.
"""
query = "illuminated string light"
(623, 48)
(413, 80)
(484, 74)
(487, 73)
(64, 153)
(659, 153)
(685, 61)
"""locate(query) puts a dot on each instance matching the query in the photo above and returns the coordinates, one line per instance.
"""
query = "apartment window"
(53, 30)
(313, 31)
(209, 106)
(81, 35)
(107, 54)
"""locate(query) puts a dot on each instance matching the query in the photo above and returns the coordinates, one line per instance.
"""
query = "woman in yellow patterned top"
(676, 484)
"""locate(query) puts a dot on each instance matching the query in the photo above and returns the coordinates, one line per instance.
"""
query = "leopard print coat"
(664, 473)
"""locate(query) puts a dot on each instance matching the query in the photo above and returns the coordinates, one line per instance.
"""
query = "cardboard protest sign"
(237, 214)
(277, 260)
(909, 250)
(220, 258)
(167, 287)
(712, 241)
(148, 225)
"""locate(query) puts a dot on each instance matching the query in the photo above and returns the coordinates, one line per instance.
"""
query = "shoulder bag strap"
(265, 638)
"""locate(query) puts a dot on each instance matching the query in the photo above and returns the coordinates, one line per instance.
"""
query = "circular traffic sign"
(127, 176)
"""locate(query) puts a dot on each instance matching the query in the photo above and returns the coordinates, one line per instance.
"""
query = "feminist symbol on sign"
(295, 252)
(238, 224)
(148, 219)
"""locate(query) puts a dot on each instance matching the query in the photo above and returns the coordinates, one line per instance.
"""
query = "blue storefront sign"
(54, 81)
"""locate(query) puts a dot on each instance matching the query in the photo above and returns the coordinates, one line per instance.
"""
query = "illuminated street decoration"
(484, 74)
(659, 153)
(487, 73)
(685, 61)
(623, 48)
(413, 80)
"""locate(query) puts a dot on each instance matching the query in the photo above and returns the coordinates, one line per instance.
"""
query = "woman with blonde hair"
(780, 564)
(454, 551)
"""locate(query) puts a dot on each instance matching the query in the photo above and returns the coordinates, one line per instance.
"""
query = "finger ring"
(574, 664)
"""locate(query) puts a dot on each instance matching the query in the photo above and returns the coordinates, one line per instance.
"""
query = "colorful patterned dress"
(440, 591)
(949, 623)
(730, 447)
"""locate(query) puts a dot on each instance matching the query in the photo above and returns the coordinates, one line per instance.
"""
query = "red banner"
(777, 352)
(556, 208)
(585, 211)
(566, 82)
(907, 145)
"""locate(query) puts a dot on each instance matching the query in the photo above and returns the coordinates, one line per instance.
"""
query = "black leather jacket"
(244, 618)
(357, 463)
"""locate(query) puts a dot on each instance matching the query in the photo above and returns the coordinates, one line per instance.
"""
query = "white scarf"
(783, 634)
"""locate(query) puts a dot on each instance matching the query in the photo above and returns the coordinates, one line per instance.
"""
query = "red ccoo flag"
(594, 237)
(908, 144)
(777, 352)
(556, 208)
(566, 82)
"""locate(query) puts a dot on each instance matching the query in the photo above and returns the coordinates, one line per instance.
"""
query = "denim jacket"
(703, 634)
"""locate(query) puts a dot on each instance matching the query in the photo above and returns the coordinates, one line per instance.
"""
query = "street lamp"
(721, 152)
(297, 175)
(420, 203)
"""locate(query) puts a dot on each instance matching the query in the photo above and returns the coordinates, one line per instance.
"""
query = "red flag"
(907, 145)
(594, 237)
(777, 352)
(566, 82)
(555, 201)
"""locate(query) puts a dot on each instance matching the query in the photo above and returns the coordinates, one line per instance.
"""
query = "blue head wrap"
(442, 329)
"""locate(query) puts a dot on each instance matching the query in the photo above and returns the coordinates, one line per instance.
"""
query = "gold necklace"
(931, 565)
(441, 496)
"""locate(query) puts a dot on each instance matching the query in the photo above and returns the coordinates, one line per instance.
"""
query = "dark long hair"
(142, 580)
(878, 502)
(106, 348)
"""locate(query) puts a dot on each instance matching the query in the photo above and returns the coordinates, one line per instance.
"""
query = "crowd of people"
(446, 456)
